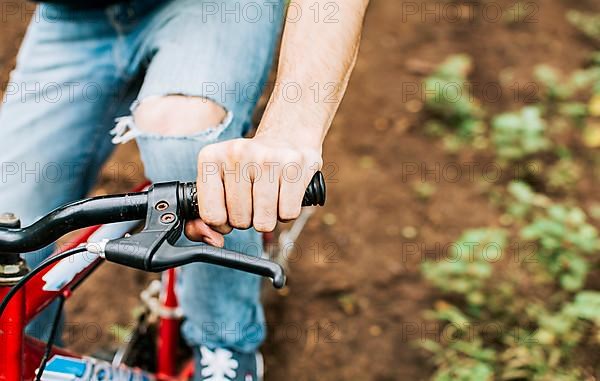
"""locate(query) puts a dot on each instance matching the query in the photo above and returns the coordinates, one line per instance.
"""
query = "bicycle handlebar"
(115, 208)
(73, 216)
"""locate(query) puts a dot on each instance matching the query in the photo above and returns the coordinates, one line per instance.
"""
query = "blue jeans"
(78, 70)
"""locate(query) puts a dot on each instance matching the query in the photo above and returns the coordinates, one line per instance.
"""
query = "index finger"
(211, 193)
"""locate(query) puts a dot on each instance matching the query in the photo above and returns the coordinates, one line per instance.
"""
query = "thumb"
(197, 230)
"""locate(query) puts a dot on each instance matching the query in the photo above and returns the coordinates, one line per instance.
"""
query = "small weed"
(517, 135)
(565, 239)
(450, 100)
(586, 23)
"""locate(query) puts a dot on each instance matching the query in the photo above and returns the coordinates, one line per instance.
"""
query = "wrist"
(303, 132)
(304, 141)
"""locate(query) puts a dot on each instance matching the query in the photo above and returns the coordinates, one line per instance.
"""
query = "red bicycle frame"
(20, 355)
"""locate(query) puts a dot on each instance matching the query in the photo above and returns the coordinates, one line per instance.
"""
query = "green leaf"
(587, 306)
(519, 134)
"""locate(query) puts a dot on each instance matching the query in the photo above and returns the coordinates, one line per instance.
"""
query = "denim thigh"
(54, 120)
(196, 50)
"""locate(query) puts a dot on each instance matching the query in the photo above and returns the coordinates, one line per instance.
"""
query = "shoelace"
(218, 365)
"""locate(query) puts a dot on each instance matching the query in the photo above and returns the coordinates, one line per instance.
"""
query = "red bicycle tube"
(168, 328)
(20, 355)
(37, 297)
(12, 328)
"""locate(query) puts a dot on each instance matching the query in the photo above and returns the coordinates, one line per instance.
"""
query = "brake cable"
(47, 262)
(23, 281)
(51, 338)
(165, 207)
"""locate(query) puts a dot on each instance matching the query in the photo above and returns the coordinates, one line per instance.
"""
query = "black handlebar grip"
(315, 195)
(316, 192)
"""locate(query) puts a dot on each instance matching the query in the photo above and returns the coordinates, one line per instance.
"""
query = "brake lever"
(154, 248)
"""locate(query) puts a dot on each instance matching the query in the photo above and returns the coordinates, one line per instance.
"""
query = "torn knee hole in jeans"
(172, 116)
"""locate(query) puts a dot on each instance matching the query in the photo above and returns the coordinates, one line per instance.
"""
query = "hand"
(250, 182)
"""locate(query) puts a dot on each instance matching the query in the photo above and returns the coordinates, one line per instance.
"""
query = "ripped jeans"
(78, 70)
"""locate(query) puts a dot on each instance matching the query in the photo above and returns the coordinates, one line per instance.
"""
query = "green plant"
(423, 190)
(536, 328)
(519, 134)
(586, 79)
(448, 97)
(563, 175)
(567, 327)
(522, 199)
(586, 306)
(587, 24)
(576, 111)
(462, 360)
(533, 362)
(548, 355)
(448, 313)
(595, 58)
(564, 238)
(559, 87)
(554, 84)
(469, 265)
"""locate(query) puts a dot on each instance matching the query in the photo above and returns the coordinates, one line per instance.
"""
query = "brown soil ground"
(353, 310)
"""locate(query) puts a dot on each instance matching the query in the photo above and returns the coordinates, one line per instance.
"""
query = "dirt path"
(355, 298)
(375, 142)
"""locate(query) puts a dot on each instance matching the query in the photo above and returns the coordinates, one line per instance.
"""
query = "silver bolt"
(161, 205)
(11, 269)
(9, 220)
(167, 218)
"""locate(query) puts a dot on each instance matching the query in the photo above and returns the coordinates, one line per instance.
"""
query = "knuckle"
(293, 157)
(289, 213)
(239, 221)
(262, 157)
(208, 154)
(265, 225)
(265, 221)
(235, 150)
(213, 219)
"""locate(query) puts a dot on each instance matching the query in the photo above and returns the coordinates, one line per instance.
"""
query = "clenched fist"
(250, 182)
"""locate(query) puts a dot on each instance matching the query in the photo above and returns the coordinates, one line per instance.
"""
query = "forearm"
(317, 57)
(315, 64)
